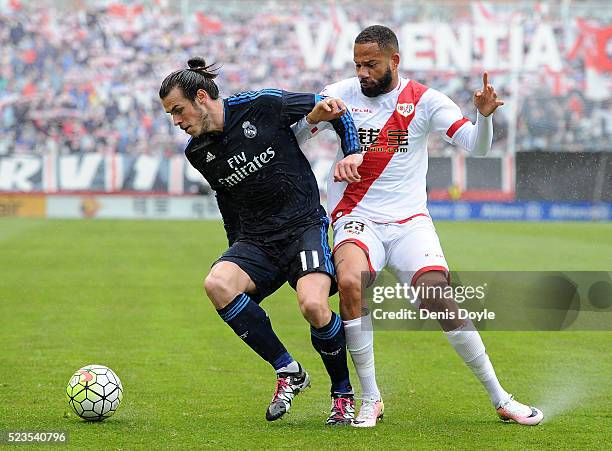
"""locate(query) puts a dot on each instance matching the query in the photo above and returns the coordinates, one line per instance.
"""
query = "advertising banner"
(22, 205)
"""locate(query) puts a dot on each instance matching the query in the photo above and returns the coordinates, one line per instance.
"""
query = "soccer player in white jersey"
(379, 209)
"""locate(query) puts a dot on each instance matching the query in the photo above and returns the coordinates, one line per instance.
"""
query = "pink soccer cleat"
(370, 412)
(512, 410)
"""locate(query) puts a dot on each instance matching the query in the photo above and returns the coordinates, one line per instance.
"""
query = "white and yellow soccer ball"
(94, 392)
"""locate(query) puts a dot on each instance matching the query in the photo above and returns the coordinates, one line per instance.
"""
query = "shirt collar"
(226, 115)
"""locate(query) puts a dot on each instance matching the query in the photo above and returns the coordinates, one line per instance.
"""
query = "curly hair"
(381, 35)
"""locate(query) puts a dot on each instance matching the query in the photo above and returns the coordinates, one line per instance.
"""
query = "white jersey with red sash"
(393, 128)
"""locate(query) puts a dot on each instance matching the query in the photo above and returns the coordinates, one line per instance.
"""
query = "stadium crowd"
(85, 79)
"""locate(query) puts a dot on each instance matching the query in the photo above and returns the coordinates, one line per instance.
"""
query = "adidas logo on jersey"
(209, 157)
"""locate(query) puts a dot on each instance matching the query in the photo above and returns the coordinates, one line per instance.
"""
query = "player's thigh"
(264, 275)
(358, 249)
(416, 250)
(312, 273)
(310, 253)
(315, 285)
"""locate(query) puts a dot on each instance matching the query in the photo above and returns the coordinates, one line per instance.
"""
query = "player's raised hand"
(486, 100)
(327, 109)
(346, 169)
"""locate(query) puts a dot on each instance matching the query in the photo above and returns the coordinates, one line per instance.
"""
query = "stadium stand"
(84, 78)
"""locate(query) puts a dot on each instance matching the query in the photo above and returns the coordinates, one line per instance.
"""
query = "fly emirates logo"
(243, 168)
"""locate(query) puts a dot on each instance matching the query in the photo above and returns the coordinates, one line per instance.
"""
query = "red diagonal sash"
(380, 152)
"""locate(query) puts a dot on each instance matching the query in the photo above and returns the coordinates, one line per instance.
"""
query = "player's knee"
(316, 311)
(433, 290)
(436, 297)
(349, 286)
(211, 285)
(216, 287)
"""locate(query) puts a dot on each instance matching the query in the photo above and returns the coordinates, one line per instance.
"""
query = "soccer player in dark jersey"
(277, 230)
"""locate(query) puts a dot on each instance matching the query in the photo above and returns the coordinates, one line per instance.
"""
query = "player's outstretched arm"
(481, 137)
(325, 110)
(456, 129)
(334, 111)
(297, 106)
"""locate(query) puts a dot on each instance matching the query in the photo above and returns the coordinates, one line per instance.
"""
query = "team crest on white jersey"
(249, 129)
(354, 227)
(405, 109)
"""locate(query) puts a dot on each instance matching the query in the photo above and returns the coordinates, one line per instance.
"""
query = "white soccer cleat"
(370, 412)
(512, 410)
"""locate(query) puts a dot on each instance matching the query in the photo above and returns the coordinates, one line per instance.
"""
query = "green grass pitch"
(128, 294)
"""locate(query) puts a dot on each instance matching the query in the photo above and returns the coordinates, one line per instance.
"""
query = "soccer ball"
(94, 392)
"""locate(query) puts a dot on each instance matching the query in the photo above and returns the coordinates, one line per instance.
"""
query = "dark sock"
(251, 323)
(330, 343)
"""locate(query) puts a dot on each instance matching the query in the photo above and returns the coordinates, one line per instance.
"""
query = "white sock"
(360, 344)
(468, 344)
(293, 367)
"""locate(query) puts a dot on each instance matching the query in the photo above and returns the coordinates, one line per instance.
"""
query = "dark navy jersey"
(263, 181)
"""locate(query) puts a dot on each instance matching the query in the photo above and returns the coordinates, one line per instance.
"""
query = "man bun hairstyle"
(198, 63)
(381, 35)
(198, 75)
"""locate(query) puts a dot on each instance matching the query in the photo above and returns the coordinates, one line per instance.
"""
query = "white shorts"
(408, 249)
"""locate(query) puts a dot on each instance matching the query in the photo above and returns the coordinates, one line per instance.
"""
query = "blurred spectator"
(85, 79)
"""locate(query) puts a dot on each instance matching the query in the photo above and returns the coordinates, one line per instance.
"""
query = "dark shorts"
(271, 263)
